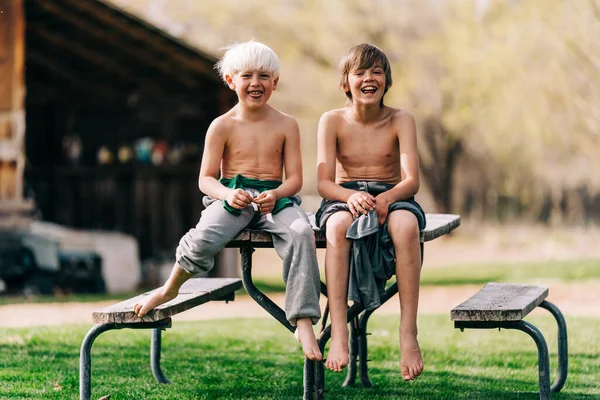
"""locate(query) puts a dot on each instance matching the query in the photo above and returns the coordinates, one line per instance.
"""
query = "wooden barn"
(102, 119)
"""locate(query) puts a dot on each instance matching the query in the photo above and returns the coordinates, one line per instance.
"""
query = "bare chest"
(255, 144)
(367, 146)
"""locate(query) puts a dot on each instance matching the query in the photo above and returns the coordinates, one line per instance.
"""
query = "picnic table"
(198, 291)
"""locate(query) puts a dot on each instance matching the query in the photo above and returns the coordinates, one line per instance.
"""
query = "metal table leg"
(354, 349)
(320, 366)
(363, 351)
(256, 294)
(309, 379)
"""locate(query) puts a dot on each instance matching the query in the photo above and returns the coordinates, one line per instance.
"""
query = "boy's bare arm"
(214, 147)
(292, 161)
(404, 123)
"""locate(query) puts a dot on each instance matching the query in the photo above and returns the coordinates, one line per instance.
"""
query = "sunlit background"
(506, 96)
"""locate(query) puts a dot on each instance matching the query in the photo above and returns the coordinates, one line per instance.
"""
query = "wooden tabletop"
(437, 225)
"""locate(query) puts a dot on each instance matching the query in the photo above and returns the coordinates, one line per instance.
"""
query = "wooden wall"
(12, 93)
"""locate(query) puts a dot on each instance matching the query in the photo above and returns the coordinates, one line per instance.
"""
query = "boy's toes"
(406, 374)
(331, 365)
(314, 355)
(419, 370)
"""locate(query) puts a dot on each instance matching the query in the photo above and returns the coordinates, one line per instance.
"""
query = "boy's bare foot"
(337, 357)
(411, 363)
(154, 299)
(306, 336)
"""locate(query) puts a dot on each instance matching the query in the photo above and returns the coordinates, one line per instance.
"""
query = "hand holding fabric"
(266, 201)
(361, 203)
(239, 199)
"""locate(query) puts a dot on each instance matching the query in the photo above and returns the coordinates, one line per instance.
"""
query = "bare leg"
(337, 259)
(167, 292)
(306, 336)
(404, 230)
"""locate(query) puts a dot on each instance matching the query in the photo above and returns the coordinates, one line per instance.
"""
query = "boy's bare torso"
(255, 148)
(367, 151)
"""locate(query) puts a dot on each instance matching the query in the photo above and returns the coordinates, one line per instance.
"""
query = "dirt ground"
(470, 246)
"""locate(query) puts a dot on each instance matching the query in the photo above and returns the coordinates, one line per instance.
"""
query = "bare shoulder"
(403, 122)
(335, 115)
(401, 116)
(222, 125)
(282, 119)
(332, 120)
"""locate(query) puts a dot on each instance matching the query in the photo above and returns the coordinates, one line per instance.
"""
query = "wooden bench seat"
(500, 302)
(194, 292)
(504, 305)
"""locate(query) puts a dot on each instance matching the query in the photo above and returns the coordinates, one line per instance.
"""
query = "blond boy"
(251, 146)
(368, 173)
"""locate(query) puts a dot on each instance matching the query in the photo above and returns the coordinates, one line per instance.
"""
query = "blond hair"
(248, 56)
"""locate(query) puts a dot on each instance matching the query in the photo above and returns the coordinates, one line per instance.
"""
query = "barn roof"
(94, 47)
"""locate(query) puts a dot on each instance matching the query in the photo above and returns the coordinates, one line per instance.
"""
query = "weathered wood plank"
(194, 292)
(500, 302)
(437, 225)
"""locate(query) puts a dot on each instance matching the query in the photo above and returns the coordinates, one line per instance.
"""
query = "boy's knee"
(403, 226)
(303, 230)
(337, 225)
(196, 253)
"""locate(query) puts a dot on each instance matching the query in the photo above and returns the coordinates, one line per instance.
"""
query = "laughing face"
(253, 88)
(367, 85)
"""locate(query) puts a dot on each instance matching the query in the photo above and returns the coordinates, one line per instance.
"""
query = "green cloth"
(241, 182)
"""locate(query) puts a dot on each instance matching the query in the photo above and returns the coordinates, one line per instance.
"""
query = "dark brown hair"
(364, 56)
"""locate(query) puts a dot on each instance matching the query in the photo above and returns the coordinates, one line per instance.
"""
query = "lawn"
(257, 359)
(474, 274)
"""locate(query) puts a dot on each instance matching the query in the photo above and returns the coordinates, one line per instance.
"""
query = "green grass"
(572, 270)
(522, 272)
(258, 359)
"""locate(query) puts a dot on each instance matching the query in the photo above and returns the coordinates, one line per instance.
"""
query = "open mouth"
(369, 89)
(255, 93)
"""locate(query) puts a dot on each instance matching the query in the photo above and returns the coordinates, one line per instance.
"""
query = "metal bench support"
(85, 359)
(536, 335)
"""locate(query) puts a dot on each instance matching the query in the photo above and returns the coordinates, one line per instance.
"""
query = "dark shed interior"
(116, 114)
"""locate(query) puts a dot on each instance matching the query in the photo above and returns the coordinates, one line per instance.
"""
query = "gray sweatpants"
(293, 239)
